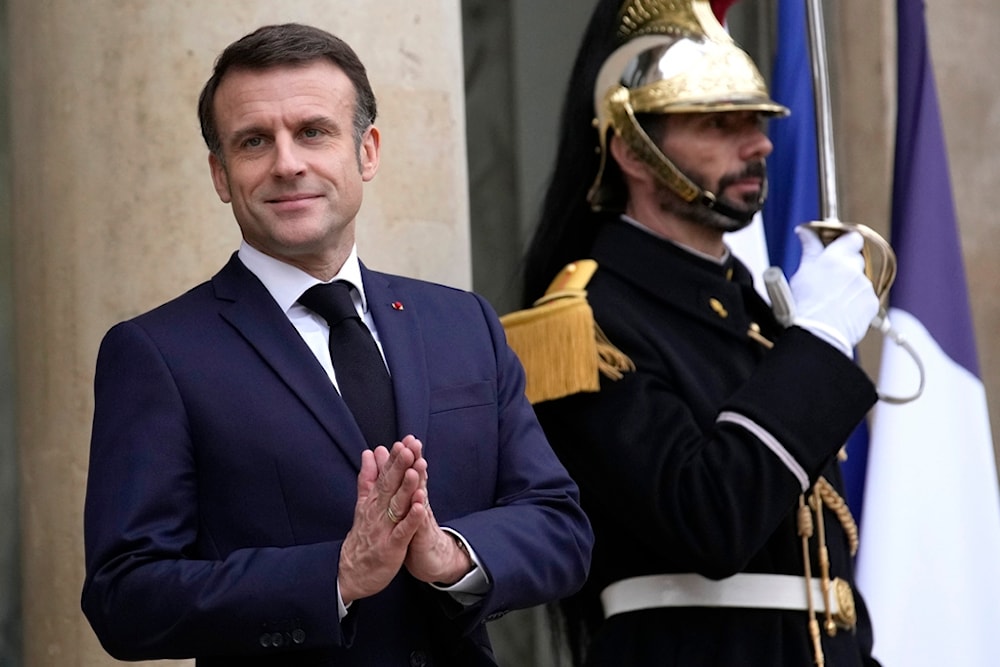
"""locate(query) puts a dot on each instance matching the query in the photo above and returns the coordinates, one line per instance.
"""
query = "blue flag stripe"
(793, 167)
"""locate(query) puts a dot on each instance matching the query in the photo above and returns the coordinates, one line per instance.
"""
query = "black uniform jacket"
(670, 490)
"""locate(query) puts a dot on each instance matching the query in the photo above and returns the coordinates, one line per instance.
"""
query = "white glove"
(834, 299)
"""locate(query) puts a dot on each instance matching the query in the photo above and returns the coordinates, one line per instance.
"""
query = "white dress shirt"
(287, 283)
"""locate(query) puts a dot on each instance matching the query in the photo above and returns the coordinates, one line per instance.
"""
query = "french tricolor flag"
(930, 538)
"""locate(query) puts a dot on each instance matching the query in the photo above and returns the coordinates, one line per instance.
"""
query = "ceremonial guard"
(703, 433)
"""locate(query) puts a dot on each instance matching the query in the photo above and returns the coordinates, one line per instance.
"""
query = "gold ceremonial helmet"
(675, 57)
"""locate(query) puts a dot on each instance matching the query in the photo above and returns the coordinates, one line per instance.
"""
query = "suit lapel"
(249, 308)
(395, 315)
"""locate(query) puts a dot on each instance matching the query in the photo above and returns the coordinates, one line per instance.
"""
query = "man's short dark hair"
(286, 44)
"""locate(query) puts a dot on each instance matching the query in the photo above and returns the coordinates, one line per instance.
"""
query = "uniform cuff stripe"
(770, 442)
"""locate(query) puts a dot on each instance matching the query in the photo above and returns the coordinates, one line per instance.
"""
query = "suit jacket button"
(265, 640)
(277, 639)
(419, 659)
(299, 636)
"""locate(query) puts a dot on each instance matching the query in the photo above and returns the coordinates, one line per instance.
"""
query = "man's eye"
(252, 142)
(311, 133)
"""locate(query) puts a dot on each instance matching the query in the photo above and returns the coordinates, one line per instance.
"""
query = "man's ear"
(220, 179)
(629, 163)
(369, 152)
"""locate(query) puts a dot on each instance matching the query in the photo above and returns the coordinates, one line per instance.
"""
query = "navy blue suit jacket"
(223, 479)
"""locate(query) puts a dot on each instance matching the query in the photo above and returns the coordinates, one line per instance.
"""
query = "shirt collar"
(286, 283)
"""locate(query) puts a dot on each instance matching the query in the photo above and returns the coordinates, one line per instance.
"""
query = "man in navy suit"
(234, 512)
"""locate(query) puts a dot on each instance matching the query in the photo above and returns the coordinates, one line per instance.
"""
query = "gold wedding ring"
(392, 515)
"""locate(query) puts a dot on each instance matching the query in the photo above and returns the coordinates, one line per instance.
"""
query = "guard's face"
(291, 167)
(723, 152)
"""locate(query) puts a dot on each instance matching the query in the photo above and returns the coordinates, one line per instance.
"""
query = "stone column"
(113, 212)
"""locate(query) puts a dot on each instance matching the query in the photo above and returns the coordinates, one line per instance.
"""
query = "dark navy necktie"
(361, 374)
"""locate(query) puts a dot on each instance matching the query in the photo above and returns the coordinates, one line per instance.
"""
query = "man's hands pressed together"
(395, 526)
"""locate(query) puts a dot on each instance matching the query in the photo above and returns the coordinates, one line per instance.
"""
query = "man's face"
(723, 153)
(290, 166)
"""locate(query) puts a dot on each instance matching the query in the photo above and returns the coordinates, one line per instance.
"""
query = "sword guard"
(880, 259)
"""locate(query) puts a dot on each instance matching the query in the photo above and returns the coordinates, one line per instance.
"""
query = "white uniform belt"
(747, 590)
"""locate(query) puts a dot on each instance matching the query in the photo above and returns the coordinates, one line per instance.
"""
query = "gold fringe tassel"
(561, 347)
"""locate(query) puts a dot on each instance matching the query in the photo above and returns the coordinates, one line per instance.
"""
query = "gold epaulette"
(559, 343)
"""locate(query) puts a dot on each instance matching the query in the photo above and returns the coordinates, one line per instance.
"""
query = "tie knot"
(331, 301)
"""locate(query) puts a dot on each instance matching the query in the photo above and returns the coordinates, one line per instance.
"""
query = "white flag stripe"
(931, 528)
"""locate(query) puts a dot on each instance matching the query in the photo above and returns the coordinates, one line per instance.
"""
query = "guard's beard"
(739, 214)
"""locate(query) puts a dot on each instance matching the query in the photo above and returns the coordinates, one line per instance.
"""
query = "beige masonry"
(113, 212)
